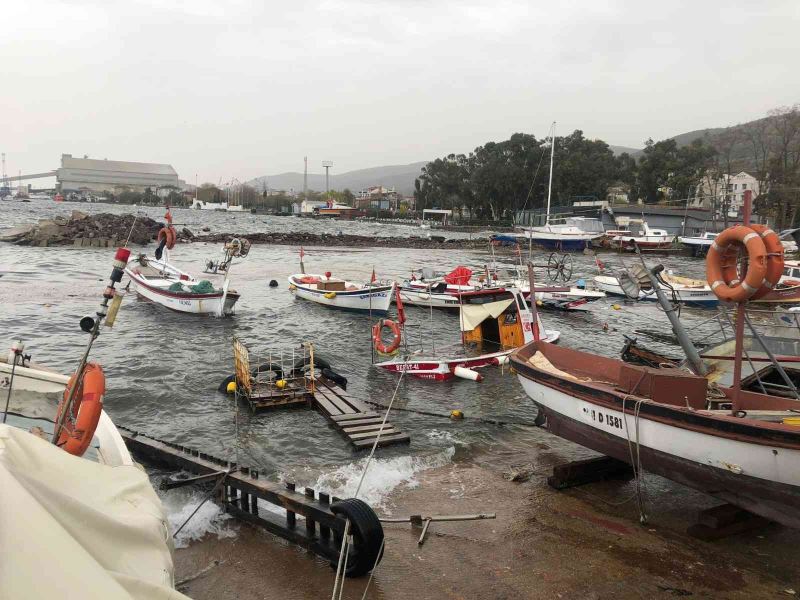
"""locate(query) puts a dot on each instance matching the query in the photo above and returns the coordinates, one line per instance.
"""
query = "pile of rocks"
(352, 241)
(81, 229)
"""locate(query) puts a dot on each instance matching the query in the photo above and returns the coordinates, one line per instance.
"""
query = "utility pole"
(305, 178)
(327, 164)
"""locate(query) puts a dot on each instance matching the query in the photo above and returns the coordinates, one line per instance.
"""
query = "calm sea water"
(163, 368)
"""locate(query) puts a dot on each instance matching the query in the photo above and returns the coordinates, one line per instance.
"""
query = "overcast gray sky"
(233, 88)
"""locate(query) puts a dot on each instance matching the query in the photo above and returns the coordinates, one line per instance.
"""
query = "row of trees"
(499, 178)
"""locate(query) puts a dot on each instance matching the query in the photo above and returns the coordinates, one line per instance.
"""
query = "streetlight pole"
(327, 164)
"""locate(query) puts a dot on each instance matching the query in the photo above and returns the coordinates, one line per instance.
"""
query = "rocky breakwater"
(350, 241)
(102, 230)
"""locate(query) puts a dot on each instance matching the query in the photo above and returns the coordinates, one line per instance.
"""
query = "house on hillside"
(725, 188)
(378, 197)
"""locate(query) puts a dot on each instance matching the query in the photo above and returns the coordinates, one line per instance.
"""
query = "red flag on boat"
(302, 254)
(401, 311)
(458, 276)
(374, 278)
(168, 217)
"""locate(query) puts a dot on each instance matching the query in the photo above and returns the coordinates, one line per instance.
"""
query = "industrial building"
(93, 175)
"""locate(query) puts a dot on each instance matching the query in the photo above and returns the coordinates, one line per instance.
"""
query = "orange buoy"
(721, 264)
(80, 425)
(377, 329)
(774, 259)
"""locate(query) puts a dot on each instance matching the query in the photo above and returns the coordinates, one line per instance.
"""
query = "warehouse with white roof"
(93, 175)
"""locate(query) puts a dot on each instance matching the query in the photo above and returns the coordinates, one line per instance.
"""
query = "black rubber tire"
(223, 387)
(339, 380)
(367, 532)
(319, 363)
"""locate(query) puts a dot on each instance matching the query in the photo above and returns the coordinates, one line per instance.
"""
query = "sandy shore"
(582, 543)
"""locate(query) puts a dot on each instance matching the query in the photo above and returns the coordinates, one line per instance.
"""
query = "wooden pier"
(312, 519)
(276, 386)
(352, 418)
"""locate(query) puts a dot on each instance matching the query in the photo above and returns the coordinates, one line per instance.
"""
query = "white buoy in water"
(466, 373)
(502, 360)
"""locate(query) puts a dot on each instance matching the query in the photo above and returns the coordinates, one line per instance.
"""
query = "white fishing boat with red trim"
(726, 440)
(493, 322)
(163, 283)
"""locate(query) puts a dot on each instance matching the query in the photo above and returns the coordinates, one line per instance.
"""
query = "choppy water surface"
(163, 368)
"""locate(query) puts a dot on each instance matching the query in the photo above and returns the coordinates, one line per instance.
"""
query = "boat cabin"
(494, 319)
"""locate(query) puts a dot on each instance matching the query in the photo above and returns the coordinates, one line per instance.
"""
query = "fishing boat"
(433, 290)
(161, 282)
(692, 292)
(645, 238)
(493, 322)
(568, 234)
(79, 508)
(698, 245)
(787, 291)
(167, 285)
(338, 293)
(738, 445)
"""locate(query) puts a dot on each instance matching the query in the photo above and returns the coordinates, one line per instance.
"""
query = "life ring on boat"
(169, 234)
(721, 264)
(774, 259)
(79, 426)
(377, 329)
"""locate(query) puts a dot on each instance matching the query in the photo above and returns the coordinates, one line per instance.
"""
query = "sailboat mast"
(550, 182)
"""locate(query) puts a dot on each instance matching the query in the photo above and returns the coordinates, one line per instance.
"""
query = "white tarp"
(73, 527)
(473, 315)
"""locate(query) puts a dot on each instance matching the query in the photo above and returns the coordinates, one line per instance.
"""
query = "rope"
(636, 464)
(130, 233)
(199, 506)
(343, 553)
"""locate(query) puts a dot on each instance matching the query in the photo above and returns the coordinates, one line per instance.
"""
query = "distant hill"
(617, 150)
(400, 177)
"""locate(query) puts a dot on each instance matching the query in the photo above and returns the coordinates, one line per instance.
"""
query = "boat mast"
(550, 182)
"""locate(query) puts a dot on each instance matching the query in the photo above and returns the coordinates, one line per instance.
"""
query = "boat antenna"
(92, 326)
(16, 351)
(534, 309)
(550, 182)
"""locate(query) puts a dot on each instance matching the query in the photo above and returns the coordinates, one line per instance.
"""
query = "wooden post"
(311, 528)
(324, 532)
(291, 518)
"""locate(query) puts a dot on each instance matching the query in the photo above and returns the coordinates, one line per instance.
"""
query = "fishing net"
(176, 287)
(203, 287)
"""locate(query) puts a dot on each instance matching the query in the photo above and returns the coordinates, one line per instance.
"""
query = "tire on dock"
(367, 550)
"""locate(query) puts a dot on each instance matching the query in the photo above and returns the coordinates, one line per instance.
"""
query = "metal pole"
(737, 357)
(696, 363)
(550, 183)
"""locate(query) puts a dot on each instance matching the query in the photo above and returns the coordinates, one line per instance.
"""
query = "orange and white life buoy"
(169, 234)
(80, 425)
(377, 329)
(722, 269)
(774, 259)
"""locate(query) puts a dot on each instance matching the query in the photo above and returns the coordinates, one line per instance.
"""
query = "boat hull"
(782, 295)
(199, 304)
(700, 298)
(375, 301)
(433, 300)
(716, 456)
(572, 244)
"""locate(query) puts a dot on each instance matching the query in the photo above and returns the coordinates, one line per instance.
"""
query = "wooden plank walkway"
(353, 419)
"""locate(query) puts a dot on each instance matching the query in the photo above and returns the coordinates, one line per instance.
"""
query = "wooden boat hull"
(782, 295)
(755, 468)
(199, 304)
(426, 300)
(375, 300)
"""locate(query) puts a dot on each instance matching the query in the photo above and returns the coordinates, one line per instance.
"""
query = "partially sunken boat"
(493, 323)
(738, 445)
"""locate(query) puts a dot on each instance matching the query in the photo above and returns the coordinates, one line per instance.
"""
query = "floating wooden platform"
(352, 418)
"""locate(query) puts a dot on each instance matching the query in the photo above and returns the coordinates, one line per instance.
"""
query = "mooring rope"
(344, 551)
(636, 463)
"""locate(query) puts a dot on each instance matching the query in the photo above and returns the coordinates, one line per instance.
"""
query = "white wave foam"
(180, 503)
(384, 475)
